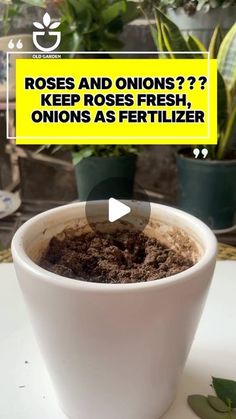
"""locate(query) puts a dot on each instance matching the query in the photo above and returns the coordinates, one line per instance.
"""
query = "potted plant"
(199, 17)
(95, 165)
(10, 11)
(94, 26)
(207, 186)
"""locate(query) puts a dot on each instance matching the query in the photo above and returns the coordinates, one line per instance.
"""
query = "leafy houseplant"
(10, 11)
(192, 6)
(13, 9)
(207, 187)
(199, 17)
(212, 407)
(95, 25)
(111, 168)
(105, 171)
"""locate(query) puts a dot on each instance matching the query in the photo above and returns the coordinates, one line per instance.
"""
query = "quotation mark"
(18, 45)
(197, 152)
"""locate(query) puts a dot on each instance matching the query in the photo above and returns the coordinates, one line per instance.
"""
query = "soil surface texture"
(120, 257)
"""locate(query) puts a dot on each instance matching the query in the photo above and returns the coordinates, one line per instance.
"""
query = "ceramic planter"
(93, 171)
(207, 190)
(114, 350)
(202, 24)
(4, 41)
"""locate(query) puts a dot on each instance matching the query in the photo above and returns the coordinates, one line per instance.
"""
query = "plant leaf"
(132, 12)
(175, 38)
(225, 389)
(167, 40)
(222, 102)
(36, 3)
(196, 45)
(223, 147)
(46, 20)
(113, 11)
(159, 39)
(215, 42)
(82, 154)
(199, 404)
(227, 58)
(218, 404)
(154, 34)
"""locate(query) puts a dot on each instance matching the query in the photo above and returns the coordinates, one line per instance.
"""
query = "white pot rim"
(207, 237)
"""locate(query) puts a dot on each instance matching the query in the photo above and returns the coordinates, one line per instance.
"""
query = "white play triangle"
(117, 209)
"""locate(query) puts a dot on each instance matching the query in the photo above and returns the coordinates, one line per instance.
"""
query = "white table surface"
(25, 388)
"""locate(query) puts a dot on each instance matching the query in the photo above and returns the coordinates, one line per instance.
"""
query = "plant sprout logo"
(47, 27)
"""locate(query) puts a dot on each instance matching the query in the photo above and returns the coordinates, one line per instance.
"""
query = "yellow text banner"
(116, 101)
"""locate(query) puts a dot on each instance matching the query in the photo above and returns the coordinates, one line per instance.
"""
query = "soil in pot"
(118, 257)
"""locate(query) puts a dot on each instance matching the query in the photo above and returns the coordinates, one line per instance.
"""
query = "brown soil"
(121, 257)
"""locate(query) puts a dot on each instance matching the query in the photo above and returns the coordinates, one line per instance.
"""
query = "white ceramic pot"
(114, 351)
(202, 24)
(26, 44)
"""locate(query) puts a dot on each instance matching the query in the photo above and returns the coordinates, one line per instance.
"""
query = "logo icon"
(46, 27)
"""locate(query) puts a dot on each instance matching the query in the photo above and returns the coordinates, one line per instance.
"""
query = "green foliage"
(203, 409)
(190, 6)
(225, 390)
(12, 9)
(95, 25)
(220, 407)
(83, 152)
(80, 152)
(168, 37)
(171, 35)
(215, 42)
(227, 58)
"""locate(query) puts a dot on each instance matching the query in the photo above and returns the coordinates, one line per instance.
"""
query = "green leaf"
(196, 45)
(82, 154)
(175, 38)
(225, 138)
(132, 12)
(225, 389)
(36, 3)
(218, 404)
(154, 34)
(167, 41)
(222, 102)
(159, 39)
(113, 11)
(227, 58)
(199, 404)
(215, 42)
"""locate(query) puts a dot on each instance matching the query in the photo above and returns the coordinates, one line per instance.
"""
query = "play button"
(110, 206)
(117, 210)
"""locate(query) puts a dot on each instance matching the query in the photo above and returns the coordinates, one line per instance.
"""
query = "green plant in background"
(220, 407)
(95, 25)
(11, 9)
(80, 152)
(190, 6)
(168, 37)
